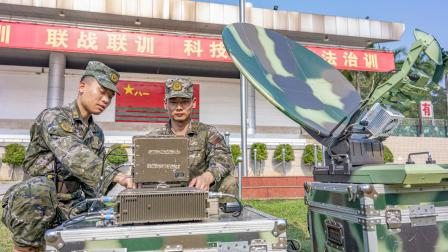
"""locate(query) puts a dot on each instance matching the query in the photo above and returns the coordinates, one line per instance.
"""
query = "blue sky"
(430, 16)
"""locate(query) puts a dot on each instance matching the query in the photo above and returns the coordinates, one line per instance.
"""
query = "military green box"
(160, 159)
(381, 208)
(251, 231)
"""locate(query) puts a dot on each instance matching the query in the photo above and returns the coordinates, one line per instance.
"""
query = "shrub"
(14, 154)
(289, 153)
(308, 154)
(117, 154)
(262, 153)
(388, 156)
(236, 152)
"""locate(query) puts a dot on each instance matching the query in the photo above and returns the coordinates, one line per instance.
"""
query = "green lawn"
(294, 211)
(5, 236)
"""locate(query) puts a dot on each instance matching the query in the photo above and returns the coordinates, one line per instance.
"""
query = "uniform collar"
(74, 110)
(192, 128)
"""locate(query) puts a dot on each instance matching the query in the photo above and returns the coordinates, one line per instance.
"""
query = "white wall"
(268, 115)
(23, 92)
(23, 95)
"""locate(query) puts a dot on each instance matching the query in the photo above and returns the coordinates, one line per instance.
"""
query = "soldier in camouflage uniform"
(64, 159)
(210, 161)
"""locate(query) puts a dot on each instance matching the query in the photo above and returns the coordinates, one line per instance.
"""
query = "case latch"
(174, 248)
(422, 215)
(258, 245)
(334, 232)
(393, 218)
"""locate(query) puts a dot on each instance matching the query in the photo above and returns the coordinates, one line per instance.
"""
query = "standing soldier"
(65, 161)
(210, 161)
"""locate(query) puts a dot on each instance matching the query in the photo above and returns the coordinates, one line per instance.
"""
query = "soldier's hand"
(124, 180)
(203, 181)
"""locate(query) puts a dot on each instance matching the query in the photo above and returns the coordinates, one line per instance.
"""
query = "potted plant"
(308, 157)
(117, 154)
(14, 156)
(258, 153)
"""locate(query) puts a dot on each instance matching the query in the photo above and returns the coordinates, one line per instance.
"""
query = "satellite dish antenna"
(314, 94)
(299, 83)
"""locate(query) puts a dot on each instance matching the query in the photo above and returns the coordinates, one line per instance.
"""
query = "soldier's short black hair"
(87, 79)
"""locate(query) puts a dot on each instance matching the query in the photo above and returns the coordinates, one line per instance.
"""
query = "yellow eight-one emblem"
(66, 126)
(114, 78)
(177, 86)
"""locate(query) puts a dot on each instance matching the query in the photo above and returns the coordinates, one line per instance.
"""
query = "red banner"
(120, 42)
(143, 102)
(360, 60)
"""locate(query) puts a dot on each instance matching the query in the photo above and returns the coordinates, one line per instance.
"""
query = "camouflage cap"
(106, 76)
(178, 87)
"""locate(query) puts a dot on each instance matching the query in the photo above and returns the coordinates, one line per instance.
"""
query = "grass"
(294, 211)
(5, 236)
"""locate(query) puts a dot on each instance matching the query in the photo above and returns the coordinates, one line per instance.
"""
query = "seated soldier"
(65, 162)
(210, 161)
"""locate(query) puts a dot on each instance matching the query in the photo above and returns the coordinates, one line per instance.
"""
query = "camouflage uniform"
(60, 142)
(207, 148)
(207, 152)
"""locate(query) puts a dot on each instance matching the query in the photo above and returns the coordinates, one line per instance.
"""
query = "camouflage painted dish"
(295, 80)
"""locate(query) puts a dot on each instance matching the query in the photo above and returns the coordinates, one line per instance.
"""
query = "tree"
(439, 103)
(423, 66)
(365, 82)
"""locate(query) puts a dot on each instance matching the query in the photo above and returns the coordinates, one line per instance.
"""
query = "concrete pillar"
(56, 80)
(251, 119)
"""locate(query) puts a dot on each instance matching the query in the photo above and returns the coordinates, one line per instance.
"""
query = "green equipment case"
(381, 208)
(251, 231)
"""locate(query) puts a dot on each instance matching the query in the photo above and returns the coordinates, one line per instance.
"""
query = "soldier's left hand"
(125, 180)
(203, 181)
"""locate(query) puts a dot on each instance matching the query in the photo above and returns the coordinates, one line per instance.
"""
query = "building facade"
(45, 44)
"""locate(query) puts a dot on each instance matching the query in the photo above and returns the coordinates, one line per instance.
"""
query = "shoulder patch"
(216, 139)
(65, 125)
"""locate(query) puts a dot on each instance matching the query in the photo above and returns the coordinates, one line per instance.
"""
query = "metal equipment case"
(381, 208)
(251, 231)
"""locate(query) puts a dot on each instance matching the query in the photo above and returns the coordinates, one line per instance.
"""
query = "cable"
(102, 179)
(238, 213)
(107, 154)
(80, 218)
(224, 195)
(103, 199)
(99, 188)
(73, 207)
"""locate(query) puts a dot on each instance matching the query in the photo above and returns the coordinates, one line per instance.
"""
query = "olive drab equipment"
(357, 203)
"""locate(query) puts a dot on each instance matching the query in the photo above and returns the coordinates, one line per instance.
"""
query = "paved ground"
(4, 185)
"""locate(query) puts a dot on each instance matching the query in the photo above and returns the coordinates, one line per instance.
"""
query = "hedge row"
(117, 154)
